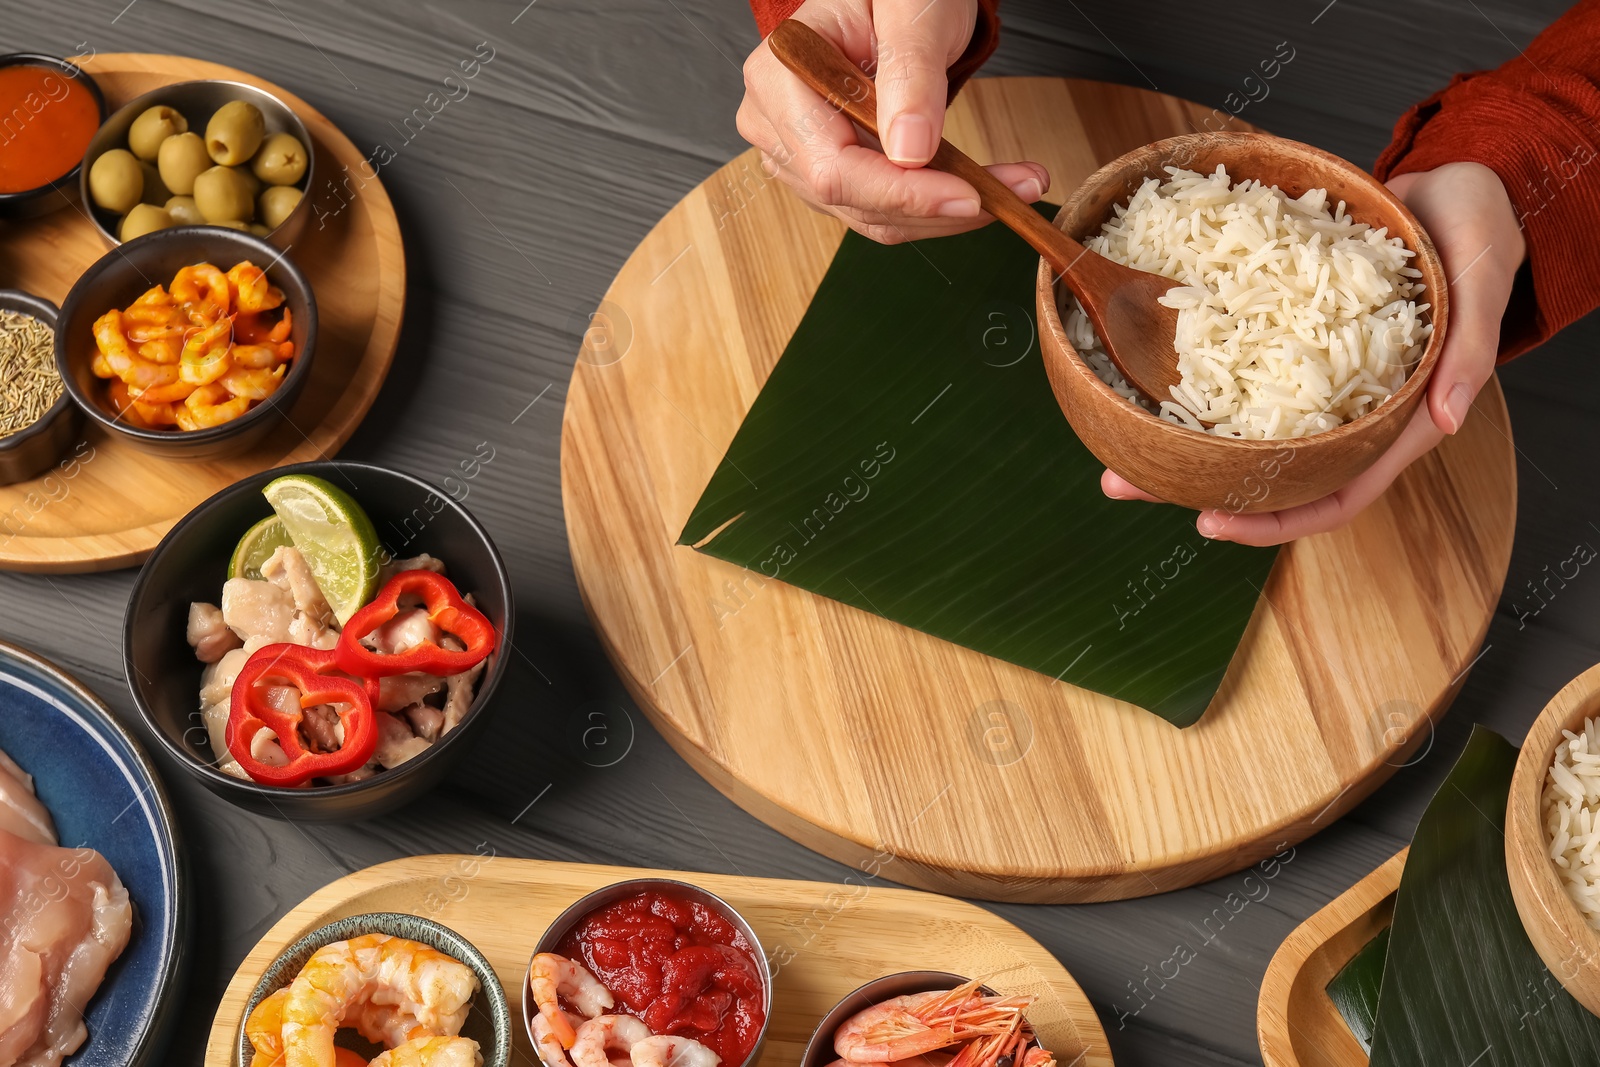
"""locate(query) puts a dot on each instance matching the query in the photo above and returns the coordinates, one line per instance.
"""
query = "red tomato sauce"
(46, 121)
(679, 967)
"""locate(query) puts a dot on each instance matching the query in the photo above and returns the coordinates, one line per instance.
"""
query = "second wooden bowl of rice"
(1309, 323)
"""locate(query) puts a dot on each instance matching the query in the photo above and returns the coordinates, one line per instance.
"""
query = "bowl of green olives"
(200, 153)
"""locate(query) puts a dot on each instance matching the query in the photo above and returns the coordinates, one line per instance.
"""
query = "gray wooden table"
(590, 121)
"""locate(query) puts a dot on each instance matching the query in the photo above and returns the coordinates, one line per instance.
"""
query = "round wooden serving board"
(119, 501)
(823, 940)
(1296, 1021)
(865, 740)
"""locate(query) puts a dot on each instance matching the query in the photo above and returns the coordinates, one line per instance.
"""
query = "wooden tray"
(120, 501)
(1296, 1022)
(870, 742)
(824, 940)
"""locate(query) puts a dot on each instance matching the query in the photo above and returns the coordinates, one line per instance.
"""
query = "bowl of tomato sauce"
(676, 958)
(49, 111)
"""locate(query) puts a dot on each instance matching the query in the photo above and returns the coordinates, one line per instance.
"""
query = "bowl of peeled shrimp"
(196, 621)
(378, 990)
(931, 1019)
(652, 972)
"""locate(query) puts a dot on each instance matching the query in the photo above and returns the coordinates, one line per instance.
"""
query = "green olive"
(277, 202)
(153, 126)
(143, 219)
(234, 133)
(115, 181)
(233, 224)
(260, 230)
(155, 190)
(222, 195)
(251, 182)
(184, 212)
(281, 161)
(182, 158)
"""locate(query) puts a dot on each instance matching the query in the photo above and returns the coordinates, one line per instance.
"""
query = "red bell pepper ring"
(306, 669)
(446, 609)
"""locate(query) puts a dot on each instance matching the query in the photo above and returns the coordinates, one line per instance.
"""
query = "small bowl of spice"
(38, 420)
(51, 109)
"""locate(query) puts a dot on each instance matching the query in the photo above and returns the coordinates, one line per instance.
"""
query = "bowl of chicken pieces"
(293, 700)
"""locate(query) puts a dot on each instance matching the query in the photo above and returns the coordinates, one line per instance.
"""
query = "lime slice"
(334, 535)
(256, 547)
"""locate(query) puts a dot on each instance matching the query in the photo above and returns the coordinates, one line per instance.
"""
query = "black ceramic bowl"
(118, 278)
(191, 563)
(488, 1022)
(32, 449)
(605, 896)
(30, 203)
(820, 1051)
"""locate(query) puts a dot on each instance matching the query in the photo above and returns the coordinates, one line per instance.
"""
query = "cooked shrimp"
(264, 1028)
(251, 383)
(205, 289)
(547, 1043)
(161, 349)
(120, 358)
(255, 292)
(387, 987)
(205, 353)
(431, 1052)
(604, 1034)
(210, 405)
(261, 356)
(673, 1050)
(552, 977)
(919, 1023)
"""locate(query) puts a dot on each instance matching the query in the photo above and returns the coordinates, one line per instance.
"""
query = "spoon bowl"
(1200, 470)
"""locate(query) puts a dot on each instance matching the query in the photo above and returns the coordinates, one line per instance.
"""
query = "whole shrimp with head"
(960, 1027)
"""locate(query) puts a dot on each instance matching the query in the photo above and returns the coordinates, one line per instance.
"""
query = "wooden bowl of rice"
(1553, 837)
(1234, 474)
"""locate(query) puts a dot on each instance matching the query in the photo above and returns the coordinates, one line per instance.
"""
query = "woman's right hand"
(888, 195)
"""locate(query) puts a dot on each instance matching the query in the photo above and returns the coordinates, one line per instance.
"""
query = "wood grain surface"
(822, 940)
(1296, 1021)
(855, 735)
(119, 501)
(520, 203)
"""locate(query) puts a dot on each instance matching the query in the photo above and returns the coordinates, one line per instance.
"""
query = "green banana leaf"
(907, 458)
(1354, 990)
(1462, 984)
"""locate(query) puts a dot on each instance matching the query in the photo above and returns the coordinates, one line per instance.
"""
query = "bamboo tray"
(1296, 1022)
(823, 940)
(120, 501)
(863, 739)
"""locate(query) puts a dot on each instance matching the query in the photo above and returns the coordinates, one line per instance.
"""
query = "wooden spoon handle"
(825, 69)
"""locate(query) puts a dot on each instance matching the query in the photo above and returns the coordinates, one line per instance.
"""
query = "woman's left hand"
(1467, 213)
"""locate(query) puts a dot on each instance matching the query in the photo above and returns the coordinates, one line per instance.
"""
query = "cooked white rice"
(1572, 817)
(1292, 318)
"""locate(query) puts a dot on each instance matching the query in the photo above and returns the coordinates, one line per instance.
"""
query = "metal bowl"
(197, 101)
(31, 203)
(610, 894)
(489, 1021)
(117, 278)
(819, 1050)
(31, 450)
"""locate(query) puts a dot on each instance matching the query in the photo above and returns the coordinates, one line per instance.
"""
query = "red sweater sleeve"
(985, 36)
(1532, 122)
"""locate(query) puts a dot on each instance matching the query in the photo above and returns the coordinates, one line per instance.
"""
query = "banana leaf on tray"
(1460, 982)
(908, 458)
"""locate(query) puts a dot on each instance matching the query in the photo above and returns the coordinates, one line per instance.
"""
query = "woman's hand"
(906, 45)
(1466, 211)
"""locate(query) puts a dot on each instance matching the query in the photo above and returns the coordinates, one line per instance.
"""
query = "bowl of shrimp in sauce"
(378, 990)
(650, 972)
(927, 1019)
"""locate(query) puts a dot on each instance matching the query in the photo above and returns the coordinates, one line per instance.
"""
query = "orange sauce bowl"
(49, 111)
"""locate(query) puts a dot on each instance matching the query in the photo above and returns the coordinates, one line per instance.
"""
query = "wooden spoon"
(1120, 301)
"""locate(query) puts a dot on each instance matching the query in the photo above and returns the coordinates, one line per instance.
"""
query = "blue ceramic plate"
(103, 793)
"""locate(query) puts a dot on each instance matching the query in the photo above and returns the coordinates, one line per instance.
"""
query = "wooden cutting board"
(823, 941)
(1296, 1022)
(937, 765)
(120, 501)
